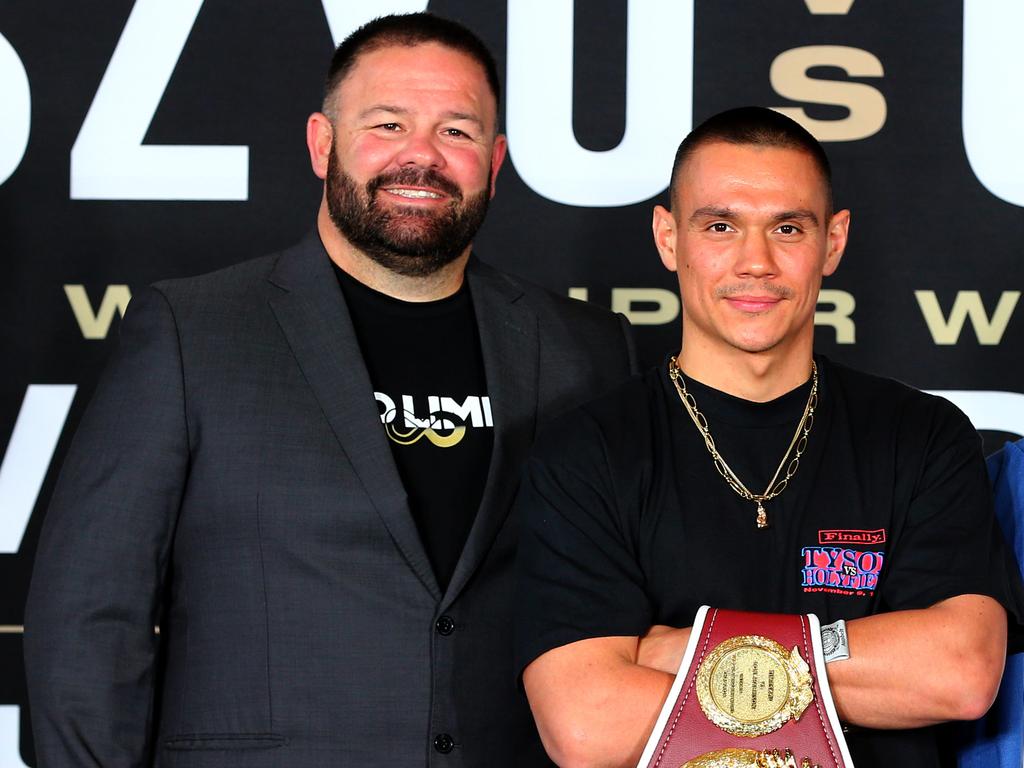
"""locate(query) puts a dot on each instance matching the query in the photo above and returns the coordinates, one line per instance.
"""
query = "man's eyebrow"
(389, 108)
(800, 214)
(712, 212)
(402, 111)
(462, 116)
(720, 212)
(478, 124)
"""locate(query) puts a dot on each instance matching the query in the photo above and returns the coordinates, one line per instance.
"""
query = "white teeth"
(414, 193)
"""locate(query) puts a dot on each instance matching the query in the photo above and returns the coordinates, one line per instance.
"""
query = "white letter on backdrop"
(16, 115)
(993, 110)
(36, 433)
(10, 735)
(109, 160)
(993, 410)
(345, 16)
(659, 103)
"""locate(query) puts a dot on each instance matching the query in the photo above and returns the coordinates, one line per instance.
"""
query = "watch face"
(829, 640)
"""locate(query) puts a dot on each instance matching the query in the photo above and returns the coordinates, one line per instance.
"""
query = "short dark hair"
(407, 29)
(758, 127)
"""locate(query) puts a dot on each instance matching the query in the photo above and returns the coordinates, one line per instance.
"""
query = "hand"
(662, 648)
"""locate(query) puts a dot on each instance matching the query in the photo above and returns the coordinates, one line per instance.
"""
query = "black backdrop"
(919, 103)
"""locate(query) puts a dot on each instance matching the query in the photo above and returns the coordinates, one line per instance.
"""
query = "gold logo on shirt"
(414, 434)
(444, 421)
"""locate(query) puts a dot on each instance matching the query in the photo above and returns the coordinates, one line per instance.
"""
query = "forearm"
(909, 669)
(594, 705)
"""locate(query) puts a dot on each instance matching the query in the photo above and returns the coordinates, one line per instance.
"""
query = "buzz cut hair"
(406, 29)
(756, 127)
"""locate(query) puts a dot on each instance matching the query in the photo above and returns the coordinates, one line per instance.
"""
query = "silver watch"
(834, 643)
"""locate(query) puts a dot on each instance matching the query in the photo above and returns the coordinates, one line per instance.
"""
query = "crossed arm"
(596, 700)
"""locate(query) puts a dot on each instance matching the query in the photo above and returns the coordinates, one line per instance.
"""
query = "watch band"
(835, 644)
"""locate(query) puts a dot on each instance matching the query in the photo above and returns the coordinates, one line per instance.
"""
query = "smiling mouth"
(765, 296)
(753, 303)
(414, 194)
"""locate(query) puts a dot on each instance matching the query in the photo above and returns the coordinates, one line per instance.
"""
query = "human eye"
(389, 127)
(456, 133)
(720, 227)
(788, 230)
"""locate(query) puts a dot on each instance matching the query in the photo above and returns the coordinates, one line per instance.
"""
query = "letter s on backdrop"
(867, 106)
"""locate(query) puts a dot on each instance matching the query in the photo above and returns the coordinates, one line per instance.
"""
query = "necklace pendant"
(762, 516)
(797, 444)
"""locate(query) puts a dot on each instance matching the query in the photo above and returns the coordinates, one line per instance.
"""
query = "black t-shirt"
(628, 524)
(427, 372)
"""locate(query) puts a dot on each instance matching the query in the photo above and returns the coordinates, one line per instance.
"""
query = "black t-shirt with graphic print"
(427, 372)
(628, 524)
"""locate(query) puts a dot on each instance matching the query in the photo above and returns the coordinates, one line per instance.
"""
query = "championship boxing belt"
(751, 692)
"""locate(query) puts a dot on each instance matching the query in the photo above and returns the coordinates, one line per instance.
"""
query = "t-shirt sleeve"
(951, 543)
(578, 573)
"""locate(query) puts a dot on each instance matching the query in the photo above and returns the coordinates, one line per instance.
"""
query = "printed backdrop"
(157, 138)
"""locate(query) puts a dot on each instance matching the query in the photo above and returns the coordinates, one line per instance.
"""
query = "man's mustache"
(754, 288)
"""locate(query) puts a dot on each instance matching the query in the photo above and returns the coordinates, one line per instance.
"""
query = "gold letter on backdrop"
(967, 304)
(829, 7)
(666, 305)
(96, 325)
(840, 316)
(866, 104)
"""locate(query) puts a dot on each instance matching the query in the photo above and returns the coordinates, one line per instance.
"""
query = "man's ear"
(665, 231)
(320, 142)
(838, 232)
(497, 157)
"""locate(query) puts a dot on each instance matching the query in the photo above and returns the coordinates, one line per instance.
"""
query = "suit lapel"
(510, 347)
(312, 314)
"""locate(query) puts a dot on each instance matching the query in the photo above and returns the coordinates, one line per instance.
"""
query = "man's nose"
(422, 150)
(756, 256)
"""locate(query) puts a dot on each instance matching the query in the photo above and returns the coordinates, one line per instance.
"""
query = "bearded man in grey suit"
(301, 467)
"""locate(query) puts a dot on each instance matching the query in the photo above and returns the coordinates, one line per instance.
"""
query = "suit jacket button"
(444, 743)
(445, 625)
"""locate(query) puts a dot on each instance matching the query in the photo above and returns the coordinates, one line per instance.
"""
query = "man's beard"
(406, 240)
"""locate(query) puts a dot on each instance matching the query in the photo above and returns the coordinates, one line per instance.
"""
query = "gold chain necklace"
(799, 441)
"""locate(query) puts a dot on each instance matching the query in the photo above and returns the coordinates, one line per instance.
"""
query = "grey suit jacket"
(231, 482)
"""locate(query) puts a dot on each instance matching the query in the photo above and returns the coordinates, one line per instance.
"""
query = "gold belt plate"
(747, 758)
(750, 685)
